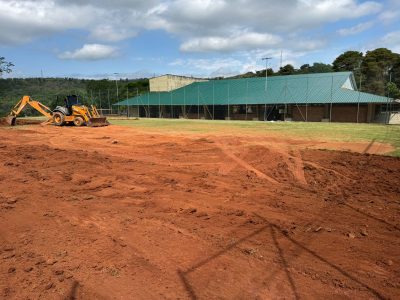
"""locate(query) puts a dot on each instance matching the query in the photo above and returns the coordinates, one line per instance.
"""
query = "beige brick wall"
(169, 83)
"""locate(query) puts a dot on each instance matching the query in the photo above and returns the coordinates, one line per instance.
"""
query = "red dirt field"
(118, 213)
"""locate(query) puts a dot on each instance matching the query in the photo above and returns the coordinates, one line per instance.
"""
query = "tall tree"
(395, 72)
(261, 73)
(320, 68)
(348, 61)
(304, 69)
(287, 70)
(376, 68)
(393, 91)
(5, 66)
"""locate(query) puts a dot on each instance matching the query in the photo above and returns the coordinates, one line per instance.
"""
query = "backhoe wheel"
(58, 119)
(78, 121)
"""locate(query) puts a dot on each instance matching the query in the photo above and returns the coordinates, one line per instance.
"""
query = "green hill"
(51, 91)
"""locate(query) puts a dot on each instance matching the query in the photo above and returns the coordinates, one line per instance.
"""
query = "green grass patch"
(341, 132)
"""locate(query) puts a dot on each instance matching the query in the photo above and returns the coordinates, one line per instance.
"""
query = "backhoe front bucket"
(98, 122)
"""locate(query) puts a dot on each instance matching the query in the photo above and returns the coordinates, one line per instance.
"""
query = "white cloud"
(391, 12)
(208, 65)
(109, 33)
(392, 41)
(238, 41)
(243, 30)
(91, 52)
(300, 44)
(194, 21)
(214, 67)
(241, 62)
(392, 38)
(355, 29)
(389, 16)
(23, 21)
(206, 18)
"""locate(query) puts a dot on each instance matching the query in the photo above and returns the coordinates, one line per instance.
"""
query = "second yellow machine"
(72, 112)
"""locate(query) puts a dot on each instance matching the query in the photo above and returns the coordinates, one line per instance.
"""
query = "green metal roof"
(293, 89)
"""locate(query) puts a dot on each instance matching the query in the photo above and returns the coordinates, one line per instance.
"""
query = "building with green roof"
(310, 97)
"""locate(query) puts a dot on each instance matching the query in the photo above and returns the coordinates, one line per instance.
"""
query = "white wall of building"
(167, 83)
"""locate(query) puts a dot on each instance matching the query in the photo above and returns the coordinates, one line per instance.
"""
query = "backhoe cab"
(78, 114)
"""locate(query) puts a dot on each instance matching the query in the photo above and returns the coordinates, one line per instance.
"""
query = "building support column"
(198, 102)
(213, 101)
(330, 110)
(159, 105)
(148, 105)
(229, 117)
(306, 112)
(284, 112)
(247, 95)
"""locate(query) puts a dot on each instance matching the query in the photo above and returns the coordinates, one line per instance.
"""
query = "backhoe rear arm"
(43, 109)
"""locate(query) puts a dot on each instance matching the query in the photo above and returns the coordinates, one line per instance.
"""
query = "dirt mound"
(186, 218)
(19, 121)
(4, 121)
(26, 121)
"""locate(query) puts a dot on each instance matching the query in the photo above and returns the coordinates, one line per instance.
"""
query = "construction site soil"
(121, 213)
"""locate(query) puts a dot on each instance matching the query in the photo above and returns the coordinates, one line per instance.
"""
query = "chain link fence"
(52, 92)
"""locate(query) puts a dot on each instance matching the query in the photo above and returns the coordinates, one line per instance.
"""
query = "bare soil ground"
(120, 213)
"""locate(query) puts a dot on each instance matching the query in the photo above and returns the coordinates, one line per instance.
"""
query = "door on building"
(274, 113)
(219, 112)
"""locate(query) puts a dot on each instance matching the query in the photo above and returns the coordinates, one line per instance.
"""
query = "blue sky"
(95, 39)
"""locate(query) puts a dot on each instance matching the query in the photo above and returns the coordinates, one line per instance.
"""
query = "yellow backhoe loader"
(71, 113)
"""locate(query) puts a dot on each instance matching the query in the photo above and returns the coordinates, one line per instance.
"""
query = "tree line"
(52, 91)
(376, 71)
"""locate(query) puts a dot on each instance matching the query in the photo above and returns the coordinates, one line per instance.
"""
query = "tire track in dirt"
(291, 156)
(329, 170)
(245, 165)
(226, 168)
(297, 165)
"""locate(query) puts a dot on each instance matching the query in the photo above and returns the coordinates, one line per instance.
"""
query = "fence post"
(330, 110)
(109, 103)
(148, 105)
(247, 95)
(198, 102)
(127, 104)
(307, 100)
(213, 98)
(229, 111)
(159, 105)
(184, 102)
(171, 110)
(358, 105)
